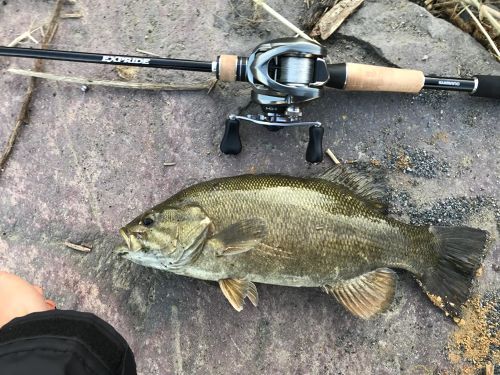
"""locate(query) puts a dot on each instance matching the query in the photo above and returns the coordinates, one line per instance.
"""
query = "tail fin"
(460, 253)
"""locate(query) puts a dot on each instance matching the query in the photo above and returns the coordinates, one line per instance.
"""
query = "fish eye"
(147, 221)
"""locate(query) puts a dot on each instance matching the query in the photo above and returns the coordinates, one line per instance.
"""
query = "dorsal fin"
(361, 184)
(366, 295)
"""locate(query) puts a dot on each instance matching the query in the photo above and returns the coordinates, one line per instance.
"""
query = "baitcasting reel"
(284, 73)
(287, 72)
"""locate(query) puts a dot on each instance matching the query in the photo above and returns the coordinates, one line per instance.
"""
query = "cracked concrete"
(89, 162)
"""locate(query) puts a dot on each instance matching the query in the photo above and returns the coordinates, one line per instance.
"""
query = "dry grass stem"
(212, 86)
(72, 15)
(331, 20)
(148, 53)
(120, 84)
(482, 8)
(485, 33)
(332, 156)
(23, 115)
(283, 20)
(26, 35)
(473, 16)
(495, 13)
(491, 18)
(74, 246)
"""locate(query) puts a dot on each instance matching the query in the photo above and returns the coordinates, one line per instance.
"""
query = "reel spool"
(283, 73)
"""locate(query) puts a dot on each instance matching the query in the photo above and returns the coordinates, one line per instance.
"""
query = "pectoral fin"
(239, 237)
(236, 291)
(366, 295)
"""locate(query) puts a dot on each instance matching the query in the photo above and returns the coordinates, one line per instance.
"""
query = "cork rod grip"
(362, 77)
(228, 65)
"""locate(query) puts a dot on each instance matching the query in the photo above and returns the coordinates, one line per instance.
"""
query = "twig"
(72, 15)
(25, 35)
(119, 84)
(483, 8)
(23, 113)
(332, 156)
(440, 4)
(490, 16)
(490, 13)
(74, 246)
(485, 33)
(212, 86)
(283, 20)
(147, 53)
(331, 20)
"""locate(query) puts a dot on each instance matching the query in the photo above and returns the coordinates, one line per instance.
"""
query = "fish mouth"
(125, 236)
(122, 249)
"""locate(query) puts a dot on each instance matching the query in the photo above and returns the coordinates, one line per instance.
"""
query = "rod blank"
(95, 58)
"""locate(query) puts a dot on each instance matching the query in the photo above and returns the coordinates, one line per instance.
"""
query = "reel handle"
(231, 142)
(314, 152)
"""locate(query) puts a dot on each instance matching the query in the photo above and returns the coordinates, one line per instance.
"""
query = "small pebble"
(84, 88)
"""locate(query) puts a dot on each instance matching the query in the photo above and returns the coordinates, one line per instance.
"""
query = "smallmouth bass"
(328, 231)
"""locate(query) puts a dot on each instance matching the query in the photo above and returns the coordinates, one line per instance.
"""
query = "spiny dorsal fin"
(236, 290)
(359, 183)
(366, 295)
(239, 237)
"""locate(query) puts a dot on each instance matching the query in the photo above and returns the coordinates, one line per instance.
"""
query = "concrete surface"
(89, 162)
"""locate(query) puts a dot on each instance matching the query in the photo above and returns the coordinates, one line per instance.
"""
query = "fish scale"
(327, 231)
(294, 208)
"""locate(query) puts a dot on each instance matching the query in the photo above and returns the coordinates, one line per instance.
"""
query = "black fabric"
(63, 342)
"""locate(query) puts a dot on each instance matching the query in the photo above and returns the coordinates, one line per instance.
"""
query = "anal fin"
(236, 290)
(367, 294)
(239, 237)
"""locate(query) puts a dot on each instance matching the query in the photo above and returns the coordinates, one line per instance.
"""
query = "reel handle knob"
(231, 142)
(314, 152)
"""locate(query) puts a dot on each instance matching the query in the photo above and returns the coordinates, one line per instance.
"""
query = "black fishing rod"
(284, 73)
(96, 58)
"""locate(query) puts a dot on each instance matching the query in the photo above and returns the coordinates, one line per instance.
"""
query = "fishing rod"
(284, 74)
